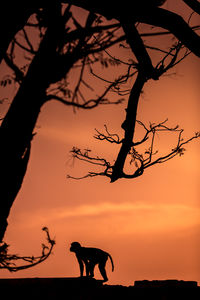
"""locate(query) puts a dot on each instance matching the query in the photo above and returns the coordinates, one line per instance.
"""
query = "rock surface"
(91, 289)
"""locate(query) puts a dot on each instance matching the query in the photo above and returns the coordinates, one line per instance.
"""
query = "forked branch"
(142, 155)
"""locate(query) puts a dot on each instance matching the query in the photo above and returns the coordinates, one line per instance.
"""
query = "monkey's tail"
(111, 261)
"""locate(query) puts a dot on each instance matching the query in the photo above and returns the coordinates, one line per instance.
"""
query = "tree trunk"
(128, 126)
(15, 135)
(17, 128)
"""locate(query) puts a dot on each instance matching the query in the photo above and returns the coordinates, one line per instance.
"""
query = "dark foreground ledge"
(91, 289)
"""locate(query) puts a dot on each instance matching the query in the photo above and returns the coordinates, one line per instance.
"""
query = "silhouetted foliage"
(50, 44)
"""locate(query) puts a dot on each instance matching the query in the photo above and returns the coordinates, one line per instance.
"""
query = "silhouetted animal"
(91, 257)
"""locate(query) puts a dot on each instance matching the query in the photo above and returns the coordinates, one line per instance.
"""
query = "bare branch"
(110, 137)
(194, 5)
(8, 261)
(77, 88)
(19, 75)
(26, 37)
(139, 160)
(137, 46)
(87, 104)
(94, 160)
(24, 47)
(163, 66)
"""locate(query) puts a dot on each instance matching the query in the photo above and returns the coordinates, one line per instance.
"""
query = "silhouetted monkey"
(91, 257)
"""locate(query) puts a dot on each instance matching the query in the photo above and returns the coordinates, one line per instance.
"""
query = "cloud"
(125, 217)
(78, 135)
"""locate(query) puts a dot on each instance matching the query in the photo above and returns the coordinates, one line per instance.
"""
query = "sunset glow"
(150, 225)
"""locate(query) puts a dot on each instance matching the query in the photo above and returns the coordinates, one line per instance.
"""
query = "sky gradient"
(150, 225)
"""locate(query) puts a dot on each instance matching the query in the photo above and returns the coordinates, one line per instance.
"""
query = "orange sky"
(150, 225)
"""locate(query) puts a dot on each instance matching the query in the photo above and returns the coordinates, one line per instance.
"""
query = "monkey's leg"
(87, 267)
(102, 270)
(91, 269)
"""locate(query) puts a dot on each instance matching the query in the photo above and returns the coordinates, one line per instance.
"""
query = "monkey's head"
(75, 246)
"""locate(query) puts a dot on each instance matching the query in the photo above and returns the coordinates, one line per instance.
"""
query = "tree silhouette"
(60, 47)
(144, 71)
(52, 43)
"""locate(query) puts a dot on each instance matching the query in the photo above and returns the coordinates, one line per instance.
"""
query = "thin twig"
(8, 261)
